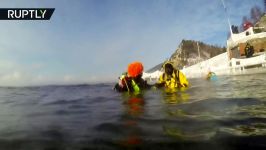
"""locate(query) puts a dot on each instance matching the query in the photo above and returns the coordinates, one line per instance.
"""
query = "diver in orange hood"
(131, 81)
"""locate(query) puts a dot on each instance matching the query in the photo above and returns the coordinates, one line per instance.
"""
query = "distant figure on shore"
(131, 80)
(172, 78)
(211, 76)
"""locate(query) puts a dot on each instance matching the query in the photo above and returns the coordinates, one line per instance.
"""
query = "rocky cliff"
(261, 24)
(190, 52)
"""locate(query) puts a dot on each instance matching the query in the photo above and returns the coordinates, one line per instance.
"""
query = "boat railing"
(238, 36)
(243, 37)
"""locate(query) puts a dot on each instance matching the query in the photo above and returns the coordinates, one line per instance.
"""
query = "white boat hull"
(220, 66)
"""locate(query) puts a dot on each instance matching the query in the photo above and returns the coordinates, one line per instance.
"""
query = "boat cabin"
(249, 43)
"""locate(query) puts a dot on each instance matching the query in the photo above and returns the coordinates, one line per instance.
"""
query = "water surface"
(228, 113)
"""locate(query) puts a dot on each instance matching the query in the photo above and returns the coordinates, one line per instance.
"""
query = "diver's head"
(168, 68)
(135, 69)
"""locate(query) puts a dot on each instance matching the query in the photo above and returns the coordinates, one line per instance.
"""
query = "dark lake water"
(228, 113)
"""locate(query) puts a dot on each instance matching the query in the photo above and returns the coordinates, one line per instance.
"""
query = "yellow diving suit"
(176, 80)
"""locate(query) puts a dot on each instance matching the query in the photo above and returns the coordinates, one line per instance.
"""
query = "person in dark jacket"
(249, 50)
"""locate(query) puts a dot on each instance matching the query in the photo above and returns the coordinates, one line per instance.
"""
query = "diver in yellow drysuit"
(172, 78)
